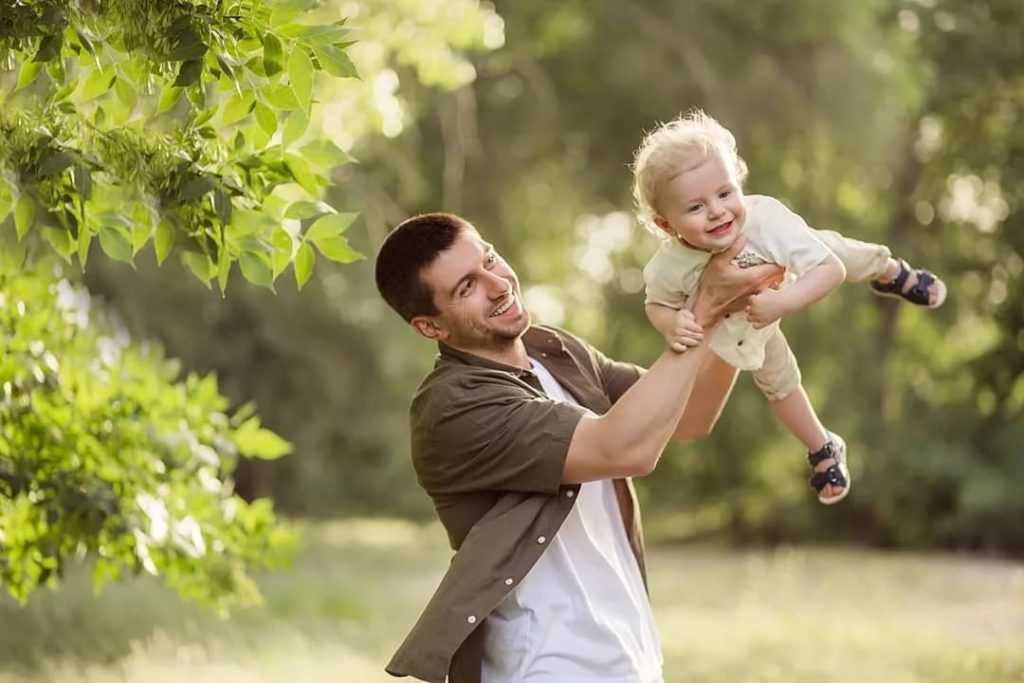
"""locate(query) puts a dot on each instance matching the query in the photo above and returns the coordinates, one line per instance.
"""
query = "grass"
(791, 615)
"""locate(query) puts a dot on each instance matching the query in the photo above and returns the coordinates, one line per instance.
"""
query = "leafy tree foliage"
(104, 451)
(171, 123)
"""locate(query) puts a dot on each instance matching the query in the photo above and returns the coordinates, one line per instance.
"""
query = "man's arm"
(629, 438)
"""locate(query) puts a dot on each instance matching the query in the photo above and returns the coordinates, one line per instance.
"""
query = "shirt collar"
(536, 339)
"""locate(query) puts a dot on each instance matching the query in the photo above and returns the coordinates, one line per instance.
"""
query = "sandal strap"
(832, 475)
(918, 294)
(824, 453)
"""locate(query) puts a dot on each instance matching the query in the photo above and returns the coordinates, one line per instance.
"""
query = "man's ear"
(426, 326)
(664, 226)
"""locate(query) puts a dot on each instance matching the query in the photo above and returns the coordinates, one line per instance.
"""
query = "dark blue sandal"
(837, 474)
(918, 294)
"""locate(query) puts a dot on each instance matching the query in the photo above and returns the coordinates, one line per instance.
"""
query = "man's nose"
(497, 286)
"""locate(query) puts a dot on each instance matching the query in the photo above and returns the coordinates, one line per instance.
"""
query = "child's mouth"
(721, 229)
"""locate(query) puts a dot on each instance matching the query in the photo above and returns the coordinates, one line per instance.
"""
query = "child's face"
(703, 206)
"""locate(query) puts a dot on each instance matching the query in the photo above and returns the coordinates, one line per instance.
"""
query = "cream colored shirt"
(774, 234)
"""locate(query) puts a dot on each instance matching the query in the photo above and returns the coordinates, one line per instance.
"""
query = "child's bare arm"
(771, 304)
(679, 328)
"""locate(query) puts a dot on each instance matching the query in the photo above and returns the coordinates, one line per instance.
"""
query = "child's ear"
(664, 225)
(428, 328)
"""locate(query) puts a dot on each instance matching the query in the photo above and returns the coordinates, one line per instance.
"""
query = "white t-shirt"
(776, 235)
(581, 614)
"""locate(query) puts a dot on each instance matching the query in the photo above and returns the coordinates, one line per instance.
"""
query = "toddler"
(688, 188)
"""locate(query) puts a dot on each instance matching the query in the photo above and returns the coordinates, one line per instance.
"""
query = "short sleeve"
(616, 377)
(663, 284)
(491, 434)
(787, 238)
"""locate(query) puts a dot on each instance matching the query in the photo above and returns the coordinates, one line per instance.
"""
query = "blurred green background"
(896, 121)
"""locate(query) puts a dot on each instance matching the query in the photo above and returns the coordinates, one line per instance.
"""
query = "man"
(525, 438)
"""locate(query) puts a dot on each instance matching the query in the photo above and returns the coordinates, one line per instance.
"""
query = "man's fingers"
(734, 250)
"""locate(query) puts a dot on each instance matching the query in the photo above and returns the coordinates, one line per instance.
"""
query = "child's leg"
(779, 380)
(868, 262)
(797, 414)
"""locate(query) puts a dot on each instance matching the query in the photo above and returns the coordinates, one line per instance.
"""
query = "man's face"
(477, 295)
(703, 206)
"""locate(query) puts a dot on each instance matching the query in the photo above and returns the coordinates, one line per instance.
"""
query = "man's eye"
(492, 259)
(466, 289)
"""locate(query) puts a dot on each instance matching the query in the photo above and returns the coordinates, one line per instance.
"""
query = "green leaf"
(49, 48)
(300, 74)
(273, 54)
(323, 34)
(266, 118)
(224, 271)
(294, 127)
(28, 73)
(189, 73)
(281, 96)
(337, 249)
(303, 265)
(60, 240)
(55, 163)
(84, 242)
(125, 92)
(163, 241)
(301, 173)
(237, 108)
(115, 244)
(324, 153)
(168, 98)
(83, 181)
(139, 233)
(255, 442)
(188, 48)
(303, 209)
(222, 205)
(256, 268)
(24, 214)
(201, 266)
(329, 226)
(283, 246)
(196, 187)
(97, 83)
(334, 61)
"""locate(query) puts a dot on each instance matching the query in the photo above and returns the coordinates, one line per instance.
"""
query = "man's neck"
(514, 353)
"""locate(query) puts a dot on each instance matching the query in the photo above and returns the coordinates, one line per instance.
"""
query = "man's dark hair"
(406, 251)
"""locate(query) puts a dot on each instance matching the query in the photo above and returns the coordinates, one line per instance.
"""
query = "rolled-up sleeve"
(491, 434)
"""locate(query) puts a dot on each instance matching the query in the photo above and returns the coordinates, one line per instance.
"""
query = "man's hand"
(685, 332)
(766, 307)
(726, 288)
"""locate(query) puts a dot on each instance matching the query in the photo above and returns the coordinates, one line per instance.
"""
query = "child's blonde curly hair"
(673, 148)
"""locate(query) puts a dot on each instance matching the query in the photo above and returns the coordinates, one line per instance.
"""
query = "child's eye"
(693, 208)
(724, 193)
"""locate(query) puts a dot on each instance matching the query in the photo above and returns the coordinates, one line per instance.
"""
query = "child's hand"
(685, 332)
(766, 307)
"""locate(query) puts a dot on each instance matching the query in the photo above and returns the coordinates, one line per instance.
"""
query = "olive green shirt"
(489, 447)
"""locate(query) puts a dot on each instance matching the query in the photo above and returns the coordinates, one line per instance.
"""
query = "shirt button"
(542, 539)
(739, 343)
(471, 619)
(570, 493)
(727, 315)
(508, 582)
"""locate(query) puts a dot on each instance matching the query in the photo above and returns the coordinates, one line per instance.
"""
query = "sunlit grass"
(791, 615)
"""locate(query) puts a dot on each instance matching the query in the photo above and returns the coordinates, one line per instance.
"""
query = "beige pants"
(780, 374)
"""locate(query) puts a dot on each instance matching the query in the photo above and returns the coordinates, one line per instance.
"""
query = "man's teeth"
(504, 307)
